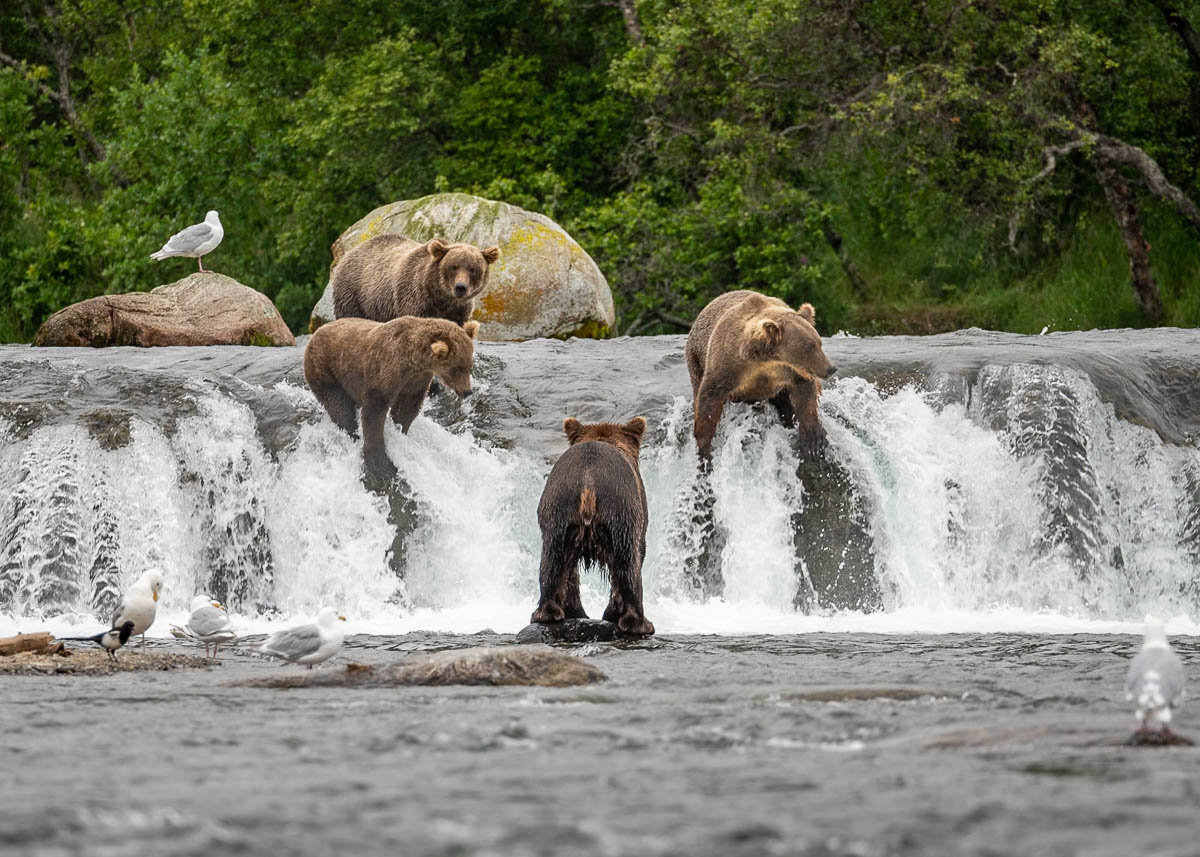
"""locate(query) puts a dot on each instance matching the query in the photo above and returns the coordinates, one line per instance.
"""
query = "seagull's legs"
(200, 262)
(143, 641)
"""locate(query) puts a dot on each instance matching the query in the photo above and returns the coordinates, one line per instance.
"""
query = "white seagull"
(307, 644)
(194, 241)
(208, 623)
(1155, 680)
(139, 604)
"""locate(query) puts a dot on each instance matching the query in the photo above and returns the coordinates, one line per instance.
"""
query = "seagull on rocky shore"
(307, 644)
(194, 241)
(1155, 680)
(208, 623)
(139, 604)
(110, 640)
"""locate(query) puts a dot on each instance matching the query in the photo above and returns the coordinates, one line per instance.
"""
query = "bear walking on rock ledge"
(352, 362)
(389, 276)
(593, 509)
(747, 347)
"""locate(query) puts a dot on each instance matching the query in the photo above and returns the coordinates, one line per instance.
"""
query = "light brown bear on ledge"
(747, 347)
(354, 363)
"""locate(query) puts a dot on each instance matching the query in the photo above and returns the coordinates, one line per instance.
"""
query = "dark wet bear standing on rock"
(593, 509)
(389, 276)
(352, 362)
(747, 347)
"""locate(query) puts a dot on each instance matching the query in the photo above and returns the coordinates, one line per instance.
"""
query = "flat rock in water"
(75, 662)
(569, 632)
(543, 284)
(202, 309)
(538, 666)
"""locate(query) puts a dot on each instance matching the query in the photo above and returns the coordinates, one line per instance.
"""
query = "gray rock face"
(539, 666)
(544, 284)
(201, 309)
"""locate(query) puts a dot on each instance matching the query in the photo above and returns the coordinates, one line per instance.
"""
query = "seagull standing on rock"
(139, 604)
(1155, 681)
(307, 644)
(194, 241)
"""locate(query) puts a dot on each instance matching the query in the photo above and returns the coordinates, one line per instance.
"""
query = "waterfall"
(1010, 495)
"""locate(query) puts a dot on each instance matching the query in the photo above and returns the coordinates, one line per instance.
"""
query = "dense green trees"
(905, 166)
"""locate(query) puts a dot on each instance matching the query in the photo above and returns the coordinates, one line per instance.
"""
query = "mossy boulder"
(204, 308)
(544, 284)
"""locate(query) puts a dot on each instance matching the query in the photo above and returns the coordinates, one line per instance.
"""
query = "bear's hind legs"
(558, 597)
(625, 603)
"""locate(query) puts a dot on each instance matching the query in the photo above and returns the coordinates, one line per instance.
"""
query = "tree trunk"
(1127, 213)
(839, 247)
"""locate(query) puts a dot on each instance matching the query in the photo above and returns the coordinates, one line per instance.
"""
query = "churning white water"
(1025, 505)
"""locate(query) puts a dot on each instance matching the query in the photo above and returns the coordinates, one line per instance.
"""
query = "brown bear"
(353, 362)
(390, 276)
(593, 509)
(747, 347)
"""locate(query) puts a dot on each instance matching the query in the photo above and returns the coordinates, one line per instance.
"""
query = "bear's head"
(790, 337)
(626, 437)
(449, 351)
(462, 268)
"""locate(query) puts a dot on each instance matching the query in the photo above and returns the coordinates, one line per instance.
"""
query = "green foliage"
(778, 146)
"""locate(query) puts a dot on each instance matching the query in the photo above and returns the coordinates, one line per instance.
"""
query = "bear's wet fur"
(354, 363)
(747, 347)
(593, 509)
(389, 276)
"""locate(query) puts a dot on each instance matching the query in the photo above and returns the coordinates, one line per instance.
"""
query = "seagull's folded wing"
(189, 239)
(294, 642)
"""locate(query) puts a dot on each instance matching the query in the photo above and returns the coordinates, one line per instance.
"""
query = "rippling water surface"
(915, 646)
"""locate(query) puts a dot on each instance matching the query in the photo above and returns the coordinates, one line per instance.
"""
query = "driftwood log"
(41, 642)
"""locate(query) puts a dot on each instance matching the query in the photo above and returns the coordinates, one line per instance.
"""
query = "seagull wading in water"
(1155, 680)
(307, 644)
(109, 640)
(139, 604)
(208, 623)
(194, 241)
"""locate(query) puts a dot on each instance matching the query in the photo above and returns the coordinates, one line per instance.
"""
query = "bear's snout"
(465, 393)
(460, 290)
(829, 370)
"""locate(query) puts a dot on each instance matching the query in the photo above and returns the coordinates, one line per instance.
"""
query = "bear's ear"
(439, 349)
(635, 428)
(808, 313)
(472, 328)
(437, 248)
(767, 333)
(491, 254)
(573, 428)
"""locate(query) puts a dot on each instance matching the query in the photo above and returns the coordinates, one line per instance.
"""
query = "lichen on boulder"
(202, 309)
(544, 283)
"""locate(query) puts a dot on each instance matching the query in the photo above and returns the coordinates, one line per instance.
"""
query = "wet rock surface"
(537, 666)
(569, 632)
(81, 662)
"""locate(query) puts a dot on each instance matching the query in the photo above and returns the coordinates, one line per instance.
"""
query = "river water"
(995, 515)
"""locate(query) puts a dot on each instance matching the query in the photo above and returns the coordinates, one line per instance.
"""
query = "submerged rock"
(201, 309)
(66, 661)
(544, 284)
(538, 666)
(570, 632)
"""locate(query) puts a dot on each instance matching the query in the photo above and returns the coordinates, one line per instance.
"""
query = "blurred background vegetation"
(907, 166)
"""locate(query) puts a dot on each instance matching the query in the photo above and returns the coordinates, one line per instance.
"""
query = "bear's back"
(603, 468)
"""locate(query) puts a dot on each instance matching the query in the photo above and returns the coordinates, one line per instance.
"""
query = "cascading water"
(971, 482)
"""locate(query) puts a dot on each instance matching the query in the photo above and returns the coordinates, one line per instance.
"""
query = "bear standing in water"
(351, 363)
(747, 347)
(593, 509)
(390, 276)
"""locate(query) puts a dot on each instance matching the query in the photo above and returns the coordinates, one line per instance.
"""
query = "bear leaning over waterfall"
(747, 347)
(593, 509)
(390, 276)
(354, 363)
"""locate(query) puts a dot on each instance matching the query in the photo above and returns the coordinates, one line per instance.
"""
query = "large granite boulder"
(205, 308)
(543, 285)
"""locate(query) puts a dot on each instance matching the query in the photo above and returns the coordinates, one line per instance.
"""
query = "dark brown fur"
(354, 363)
(389, 276)
(593, 509)
(747, 347)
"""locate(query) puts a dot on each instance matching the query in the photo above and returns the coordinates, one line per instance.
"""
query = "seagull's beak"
(155, 594)
(217, 604)
(343, 618)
